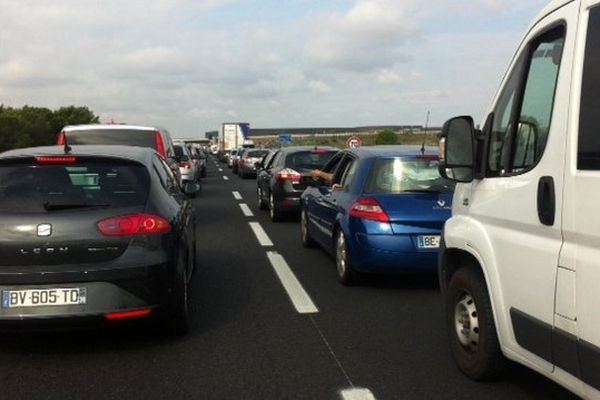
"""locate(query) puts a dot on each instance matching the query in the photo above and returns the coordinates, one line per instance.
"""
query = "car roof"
(133, 153)
(89, 127)
(393, 151)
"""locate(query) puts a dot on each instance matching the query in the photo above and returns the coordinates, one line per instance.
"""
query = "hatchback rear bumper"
(391, 254)
(107, 291)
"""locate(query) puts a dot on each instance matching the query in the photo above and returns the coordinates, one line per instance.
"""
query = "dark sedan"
(281, 180)
(98, 234)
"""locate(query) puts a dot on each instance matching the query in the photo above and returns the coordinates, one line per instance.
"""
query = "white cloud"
(388, 76)
(319, 87)
(367, 37)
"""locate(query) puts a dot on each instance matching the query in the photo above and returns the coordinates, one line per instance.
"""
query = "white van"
(519, 261)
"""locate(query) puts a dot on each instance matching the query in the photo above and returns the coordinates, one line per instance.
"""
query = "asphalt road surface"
(270, 321)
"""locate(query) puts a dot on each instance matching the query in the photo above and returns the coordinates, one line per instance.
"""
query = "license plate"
(43, 297)
(428, 242)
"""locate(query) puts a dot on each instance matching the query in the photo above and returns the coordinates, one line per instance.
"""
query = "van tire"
(471, 328)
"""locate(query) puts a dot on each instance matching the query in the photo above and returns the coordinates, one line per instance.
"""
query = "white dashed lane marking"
(301, 300)
(237, 195)
(246, 210)
(225, 178)
(260, 234)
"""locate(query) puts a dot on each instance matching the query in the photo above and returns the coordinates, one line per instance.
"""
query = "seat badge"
(44, 230)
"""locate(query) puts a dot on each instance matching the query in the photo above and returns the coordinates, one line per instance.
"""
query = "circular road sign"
(353, 142)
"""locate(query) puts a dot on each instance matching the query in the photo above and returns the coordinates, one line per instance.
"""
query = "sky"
(189, 65)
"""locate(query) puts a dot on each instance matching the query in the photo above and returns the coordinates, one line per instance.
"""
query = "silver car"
(248, 160)
(187, 168)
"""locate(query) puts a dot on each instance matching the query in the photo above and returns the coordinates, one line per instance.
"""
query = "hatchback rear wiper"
(69, 206)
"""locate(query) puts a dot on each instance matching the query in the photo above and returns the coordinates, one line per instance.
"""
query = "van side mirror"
(457, 149)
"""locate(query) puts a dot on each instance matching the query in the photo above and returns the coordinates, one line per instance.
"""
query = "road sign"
(284, 138)
(353, 142)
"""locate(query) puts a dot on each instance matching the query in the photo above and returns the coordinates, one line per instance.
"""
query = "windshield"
(42, 188)
(398, 175)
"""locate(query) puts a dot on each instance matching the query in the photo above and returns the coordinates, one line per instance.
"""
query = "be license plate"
(428, 242)
(43, 297)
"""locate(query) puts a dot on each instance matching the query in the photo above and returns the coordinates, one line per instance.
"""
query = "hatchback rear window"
(309, 159)
(397, 175)
(179, 151)
(122, 137)
(47, 188)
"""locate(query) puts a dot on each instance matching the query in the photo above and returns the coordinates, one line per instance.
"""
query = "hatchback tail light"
(185, 165)
(122, 315)
(134, 224)
(160, 145)
(288, 174)
(61, 139)
(368, 208)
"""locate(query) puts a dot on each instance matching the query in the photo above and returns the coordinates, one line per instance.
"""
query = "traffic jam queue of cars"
(506, 215)
(97, 231)
(517, 256)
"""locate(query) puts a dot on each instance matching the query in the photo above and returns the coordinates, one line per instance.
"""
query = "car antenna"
(425, 134)
(67, 148)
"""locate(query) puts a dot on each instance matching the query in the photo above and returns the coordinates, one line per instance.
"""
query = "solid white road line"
(237, 195)
(301, 300)
(357, 394)
(260, 234)
(225, 178)
(246, 210)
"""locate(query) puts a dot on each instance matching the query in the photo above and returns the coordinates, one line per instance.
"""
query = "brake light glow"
(134, 224)
(122, 315)
(160, 145)
(318, 151)
(55, 160)
(185, 165)
(288, 174)
(369, 208)
(61, 139)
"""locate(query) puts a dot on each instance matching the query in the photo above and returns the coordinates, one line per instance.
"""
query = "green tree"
(386, 136)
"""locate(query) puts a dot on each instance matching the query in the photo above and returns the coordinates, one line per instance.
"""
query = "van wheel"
(471, 328)
(307, 240)
(346, 275)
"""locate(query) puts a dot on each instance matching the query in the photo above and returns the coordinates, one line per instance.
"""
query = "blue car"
(382, 212)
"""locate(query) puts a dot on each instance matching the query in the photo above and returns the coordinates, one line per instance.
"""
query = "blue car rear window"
(398, 175)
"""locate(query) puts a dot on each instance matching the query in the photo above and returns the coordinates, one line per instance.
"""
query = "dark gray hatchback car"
(97, 234)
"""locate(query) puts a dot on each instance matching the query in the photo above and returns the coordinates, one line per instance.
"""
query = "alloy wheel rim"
(466, 322)
(341, 254)
(271, 206)
(259, 196)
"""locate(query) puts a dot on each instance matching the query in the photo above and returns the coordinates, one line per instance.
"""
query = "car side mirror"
(258, 165)
(191, 188)
(457, 149)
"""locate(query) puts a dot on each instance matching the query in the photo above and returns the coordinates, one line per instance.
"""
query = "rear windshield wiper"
(69, 206)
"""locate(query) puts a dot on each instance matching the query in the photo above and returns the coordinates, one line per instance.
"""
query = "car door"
(325, 208)
(578, 283)
(266, 175)
(514, 207)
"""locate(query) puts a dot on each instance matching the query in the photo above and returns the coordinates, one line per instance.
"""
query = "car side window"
(349, 172)
(524, 109)
(169, 182)
(160, 171)
(274, 160)
(588, 145)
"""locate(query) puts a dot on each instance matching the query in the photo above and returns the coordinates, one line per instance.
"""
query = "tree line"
(38, 126)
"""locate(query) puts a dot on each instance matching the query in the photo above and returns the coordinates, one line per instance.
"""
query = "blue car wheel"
(346, 274)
